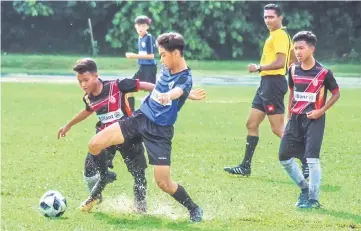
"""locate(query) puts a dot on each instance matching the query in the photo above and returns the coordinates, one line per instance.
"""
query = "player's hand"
(62, 131)
(130, 55)
(252, 67)
(164, 98)
(197, 94)
(315, 114)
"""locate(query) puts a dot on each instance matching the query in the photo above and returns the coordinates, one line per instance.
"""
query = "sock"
(303, 161)
(251, 144)
(140, 185)
(101, 163)
(294, 172)
(183, 198)
(131, 102)
(315, 178)
(91, 181)
(90, 168)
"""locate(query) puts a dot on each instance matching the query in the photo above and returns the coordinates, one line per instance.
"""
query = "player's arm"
(131, 55)
(149, 54)
(82, 115)
(332, 86)
(173, 94)
(290, 86)
(197, 94)
(293, 58)
(145, 86)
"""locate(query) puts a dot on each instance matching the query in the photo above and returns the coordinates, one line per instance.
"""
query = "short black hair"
(84, 65)
(171, 41)
(307, 36)
(274, 7)
(142, 19)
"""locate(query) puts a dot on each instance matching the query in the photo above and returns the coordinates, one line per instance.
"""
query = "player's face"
(272, 21)
(87, 81)
(168, 58)
(141, 29)
(303, 51)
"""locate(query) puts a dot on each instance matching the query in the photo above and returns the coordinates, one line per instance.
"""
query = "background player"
(146, 47)
(269, 98)
(308, 83)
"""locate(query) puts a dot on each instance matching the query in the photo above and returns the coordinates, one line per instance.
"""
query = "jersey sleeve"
(185, 83)
(150, 44)
(330, 82)
(128, 85)
(290, 78)
(281, 43)
(87, 106)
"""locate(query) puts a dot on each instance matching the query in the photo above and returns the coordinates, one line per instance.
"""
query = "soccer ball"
(52, 204)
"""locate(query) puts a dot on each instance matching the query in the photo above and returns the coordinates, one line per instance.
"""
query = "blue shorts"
(157, 139)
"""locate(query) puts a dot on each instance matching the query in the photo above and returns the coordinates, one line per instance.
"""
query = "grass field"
(60, 64)
(208, 136)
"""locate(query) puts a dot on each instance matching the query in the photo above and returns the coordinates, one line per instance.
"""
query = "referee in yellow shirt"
(269, 99)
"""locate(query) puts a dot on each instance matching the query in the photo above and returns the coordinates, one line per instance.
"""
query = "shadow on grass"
(136, 222)
(339, 214)
(324, 188)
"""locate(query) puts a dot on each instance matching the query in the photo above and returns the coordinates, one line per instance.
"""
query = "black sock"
(90, 168)
(140, 185)
(182, 197)
(131, 103)
(304, 162)
(250, 147)
(102, 166)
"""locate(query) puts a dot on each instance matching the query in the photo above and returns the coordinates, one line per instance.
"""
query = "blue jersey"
(166, 115)
(146, 45)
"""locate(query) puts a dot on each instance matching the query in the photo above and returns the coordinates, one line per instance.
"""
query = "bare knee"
(94, 147)
(165, 185)
(252, 125)
(278, 131)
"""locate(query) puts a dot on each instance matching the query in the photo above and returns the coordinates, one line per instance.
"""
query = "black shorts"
(270, 95)
(147, 73)
(132, 152)
(302, 138)
(157, 139)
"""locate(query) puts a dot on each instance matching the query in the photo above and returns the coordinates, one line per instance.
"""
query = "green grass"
(208, 136)
(59, 64)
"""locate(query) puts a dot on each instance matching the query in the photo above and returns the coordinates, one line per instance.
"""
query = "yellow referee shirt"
(279, 41)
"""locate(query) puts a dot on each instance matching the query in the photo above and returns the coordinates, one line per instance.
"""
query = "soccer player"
(109, 100)
(146, 47)
(154, 121)
(309, 82)
(269, 98)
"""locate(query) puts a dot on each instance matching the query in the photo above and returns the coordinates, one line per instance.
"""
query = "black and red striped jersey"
(112, 103)
(310, 87)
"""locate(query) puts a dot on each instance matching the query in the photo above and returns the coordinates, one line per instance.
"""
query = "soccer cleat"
(239, 170)
(140, 206)
(100, 199)
(196, 214)
(310, 204)
(303, 198)
(305, 171)
(88, 205)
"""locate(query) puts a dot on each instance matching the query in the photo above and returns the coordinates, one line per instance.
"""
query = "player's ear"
(313, 48)
(281, 17)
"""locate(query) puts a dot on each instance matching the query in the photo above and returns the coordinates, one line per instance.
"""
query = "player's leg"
(314, 136)
(163, 179)
(130, 96)
(109, 136)
(292, 145)
(255, 118)
(158, 142)
(133, 154)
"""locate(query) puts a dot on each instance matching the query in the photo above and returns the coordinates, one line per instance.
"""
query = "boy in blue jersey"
(154, 121)
(146, 46)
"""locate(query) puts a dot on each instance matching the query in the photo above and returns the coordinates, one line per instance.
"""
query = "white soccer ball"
(53, 204)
